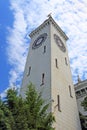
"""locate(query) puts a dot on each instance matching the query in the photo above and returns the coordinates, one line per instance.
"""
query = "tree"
(16, 105)
(6, 118)
(29, 113)
(83, 118)
(37, 114)
(84, 103)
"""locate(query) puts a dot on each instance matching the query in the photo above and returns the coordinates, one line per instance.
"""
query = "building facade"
(48, 68)
(81, 93)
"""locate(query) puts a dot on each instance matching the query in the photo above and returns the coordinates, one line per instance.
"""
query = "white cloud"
(71, 16)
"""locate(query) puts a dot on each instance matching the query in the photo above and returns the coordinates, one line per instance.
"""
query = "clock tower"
(48, 68)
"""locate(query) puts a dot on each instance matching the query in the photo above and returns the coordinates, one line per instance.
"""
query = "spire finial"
(79, 80)
(49, 15)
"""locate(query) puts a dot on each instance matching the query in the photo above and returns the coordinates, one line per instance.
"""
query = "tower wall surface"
(48, 68)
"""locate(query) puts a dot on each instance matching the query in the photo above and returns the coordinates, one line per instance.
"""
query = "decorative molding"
(47, 22)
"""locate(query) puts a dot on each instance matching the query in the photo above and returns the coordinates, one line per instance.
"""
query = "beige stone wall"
(40, 62)
(67, 118)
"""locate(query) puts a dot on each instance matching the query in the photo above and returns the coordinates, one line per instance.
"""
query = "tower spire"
(79, 79)
(49, 15)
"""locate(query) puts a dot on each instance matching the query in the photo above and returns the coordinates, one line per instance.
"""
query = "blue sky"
(6, 19)
(19, 17)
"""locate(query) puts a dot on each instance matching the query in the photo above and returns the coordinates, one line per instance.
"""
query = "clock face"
(59, 43)
(38, 42)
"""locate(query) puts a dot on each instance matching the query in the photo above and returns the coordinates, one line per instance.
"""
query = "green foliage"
(83, 118)
(30, 113)
(84, 104)
(37, 114)
(6, 118)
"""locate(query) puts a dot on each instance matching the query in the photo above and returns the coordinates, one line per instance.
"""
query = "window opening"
(44, 49)
(83, 91)
(56, 63)
(70, 91)
(29, 71)
(66, 61)
(43, 76)
(58, 101)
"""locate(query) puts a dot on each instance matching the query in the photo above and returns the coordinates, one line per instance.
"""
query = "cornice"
(81, 84)
(39, 28)
(58, 28)
(45, 23)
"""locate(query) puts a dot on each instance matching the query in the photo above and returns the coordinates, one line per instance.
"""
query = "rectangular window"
(58, 100)
(44, 49)
(56, 63)
(66, 61)
(83, 91)
(43, 76)
(29, 71)
(70, 91)
(86, 90)
(78, 93)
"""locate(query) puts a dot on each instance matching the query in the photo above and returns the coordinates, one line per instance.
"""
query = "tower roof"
(47, 21)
